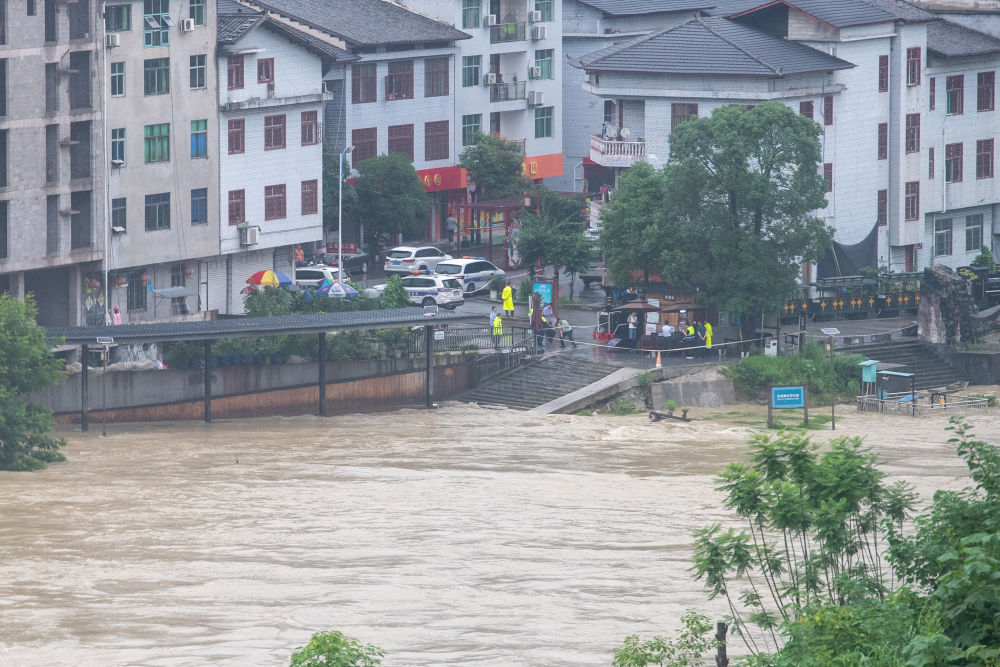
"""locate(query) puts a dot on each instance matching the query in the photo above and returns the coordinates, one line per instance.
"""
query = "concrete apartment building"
(270, 147)
(906, 102)
(51, 158)
(163, 167)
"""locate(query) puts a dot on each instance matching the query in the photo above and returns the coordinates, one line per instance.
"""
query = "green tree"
(632, 224)
(495, 165)
(553, 235)
(741, 188)
(391, 195)
(333, 649)
(394, 295)
(692, 643)
(26, 365)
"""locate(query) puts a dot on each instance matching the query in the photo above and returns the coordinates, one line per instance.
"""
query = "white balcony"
(614, 153)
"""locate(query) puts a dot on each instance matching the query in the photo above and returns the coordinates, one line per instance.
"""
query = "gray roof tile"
(640, 7)
(366, 22)
(712, 46)
(837, 13)
(953, 40)
(232, 29)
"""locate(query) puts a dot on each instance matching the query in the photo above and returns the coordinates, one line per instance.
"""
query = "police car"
(411, 259)
(430, 290)
(474, 273)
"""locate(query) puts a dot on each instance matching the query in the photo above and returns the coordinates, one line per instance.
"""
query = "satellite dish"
(625, 133)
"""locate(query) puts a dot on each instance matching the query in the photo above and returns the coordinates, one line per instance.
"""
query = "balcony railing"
(613, 153)
(503, 92)
(507, 32)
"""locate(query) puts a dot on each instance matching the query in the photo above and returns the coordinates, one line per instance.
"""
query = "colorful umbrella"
(269, 278)
(336, 290)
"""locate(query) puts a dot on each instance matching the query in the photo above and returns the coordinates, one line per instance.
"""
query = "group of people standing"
(697, 338)
(544, 323)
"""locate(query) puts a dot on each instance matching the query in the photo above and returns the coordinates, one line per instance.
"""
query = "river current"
(462, 536)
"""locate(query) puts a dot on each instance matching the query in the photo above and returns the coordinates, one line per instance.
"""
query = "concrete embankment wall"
(979, 367)
(705, 389)
(257, 391)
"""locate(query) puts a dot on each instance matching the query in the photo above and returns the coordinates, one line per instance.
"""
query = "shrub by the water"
(811, 368)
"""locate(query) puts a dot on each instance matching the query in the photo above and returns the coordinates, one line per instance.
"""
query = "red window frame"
(237, 135)
(912, 200)
(954, 156)
(436, 76)
(912, 133)
(933, 88)
(828, 110)
(913, 62)
(310, 128)
(310, 197)
(984, 158)
(365, 141)
(806, 109)
(401, 140)
(883, 141)
(363, 77)
(930, 162)
(234, 72)
(436, 135)
(985, 91)
(882, 207)
(237, 206)
(274, 132)
(265, 70)
(883, 74)
(399, 80)
(274, 201)
(828, 175)
(681, 112)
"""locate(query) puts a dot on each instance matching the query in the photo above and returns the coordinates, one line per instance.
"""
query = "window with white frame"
(942, 237)
(974, 232)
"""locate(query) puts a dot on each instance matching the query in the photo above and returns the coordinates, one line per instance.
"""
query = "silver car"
(407, 259)
(430, 290)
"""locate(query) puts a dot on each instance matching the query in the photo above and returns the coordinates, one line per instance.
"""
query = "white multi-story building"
(906, 102)
(270, 147)
(162, 120)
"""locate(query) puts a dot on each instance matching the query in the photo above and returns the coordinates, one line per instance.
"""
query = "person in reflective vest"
(497, 328)
(508, 301)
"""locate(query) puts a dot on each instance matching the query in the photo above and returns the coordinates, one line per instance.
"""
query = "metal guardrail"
(956, 405)
(506, 92)
(495, 354)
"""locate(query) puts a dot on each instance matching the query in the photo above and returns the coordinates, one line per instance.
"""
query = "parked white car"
(473, 273)
(313, 276)
(407, 259)
(429, 290)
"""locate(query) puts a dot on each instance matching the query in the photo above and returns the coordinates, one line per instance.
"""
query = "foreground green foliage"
(812, 579)
(333, 649)
(687, 650)
(811, 367)
(26, 365)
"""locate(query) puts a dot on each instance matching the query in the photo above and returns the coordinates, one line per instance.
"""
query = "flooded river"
(464, 536)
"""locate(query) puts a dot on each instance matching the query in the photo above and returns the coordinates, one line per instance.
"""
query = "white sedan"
(429, 290)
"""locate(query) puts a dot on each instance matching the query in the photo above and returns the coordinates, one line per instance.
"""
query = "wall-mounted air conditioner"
(534, 72)
(250, 235)
(535, 16)
(113, 40)
(536, 98)
(187, 25)
(489, 79)
(491, 20)
(540, 32)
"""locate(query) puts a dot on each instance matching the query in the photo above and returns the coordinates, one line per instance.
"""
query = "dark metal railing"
(507, 32)
(504, 92)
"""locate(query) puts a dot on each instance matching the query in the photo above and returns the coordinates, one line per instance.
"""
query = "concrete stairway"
(929, 370)
(537, 383)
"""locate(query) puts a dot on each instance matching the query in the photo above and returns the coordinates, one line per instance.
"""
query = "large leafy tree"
(390, 196)
(632, 225)
(741, 188)
(495, 165)
(26, 365)
(553, 236)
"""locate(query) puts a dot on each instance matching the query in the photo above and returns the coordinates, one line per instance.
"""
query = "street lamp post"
(340, 213)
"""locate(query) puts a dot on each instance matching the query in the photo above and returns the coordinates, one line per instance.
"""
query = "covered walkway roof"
(245, 327)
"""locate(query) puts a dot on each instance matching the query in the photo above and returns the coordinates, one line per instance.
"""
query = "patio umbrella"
(336, 290)
(269, 278)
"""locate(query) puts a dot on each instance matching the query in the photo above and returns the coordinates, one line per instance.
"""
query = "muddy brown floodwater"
(463, 536)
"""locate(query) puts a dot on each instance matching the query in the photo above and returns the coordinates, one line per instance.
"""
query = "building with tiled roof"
(906, 102)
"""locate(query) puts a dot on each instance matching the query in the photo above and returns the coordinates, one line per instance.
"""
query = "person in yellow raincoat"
(497, 328)
(508, 301)
(708, 335)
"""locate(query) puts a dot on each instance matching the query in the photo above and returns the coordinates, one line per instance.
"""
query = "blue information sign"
(788, 397)
(545, 289)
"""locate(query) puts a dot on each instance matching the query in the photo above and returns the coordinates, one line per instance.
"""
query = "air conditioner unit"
(250, 236)
(187, 25)
(540, 32)
(534, 72)
(491, 20)
(112, 40)
(535, 16)
(536, 98)
(118, 163)
(489, 79)
(270, 91)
